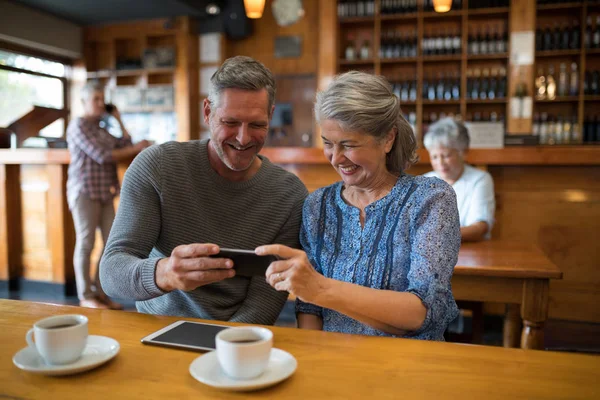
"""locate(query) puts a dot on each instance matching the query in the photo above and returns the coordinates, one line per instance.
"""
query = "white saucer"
(207, 370)
(99, 349)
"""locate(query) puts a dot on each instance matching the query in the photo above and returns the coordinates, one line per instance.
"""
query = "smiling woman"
(379, 241)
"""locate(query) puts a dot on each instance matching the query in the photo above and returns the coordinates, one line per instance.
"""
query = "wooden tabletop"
(329, 366)
(505, 259)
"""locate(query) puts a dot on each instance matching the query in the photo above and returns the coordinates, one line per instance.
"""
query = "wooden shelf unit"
(581, 105)
(113, 55)
(417, 68)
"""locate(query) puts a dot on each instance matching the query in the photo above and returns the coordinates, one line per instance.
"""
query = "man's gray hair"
(241, 72)
(447, 133)
(90, 88)
(365, 103)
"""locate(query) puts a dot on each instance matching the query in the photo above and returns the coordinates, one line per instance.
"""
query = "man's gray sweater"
(172, 196)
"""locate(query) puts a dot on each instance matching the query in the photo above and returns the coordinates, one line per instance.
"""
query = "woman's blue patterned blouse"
(409, 243)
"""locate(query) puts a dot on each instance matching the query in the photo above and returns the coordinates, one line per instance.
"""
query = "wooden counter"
(330, 366)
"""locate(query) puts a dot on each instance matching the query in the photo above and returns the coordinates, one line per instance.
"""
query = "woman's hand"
(293, 273)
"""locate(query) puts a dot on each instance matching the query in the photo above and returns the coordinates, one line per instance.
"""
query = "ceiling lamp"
(442, 6)
(254, 8)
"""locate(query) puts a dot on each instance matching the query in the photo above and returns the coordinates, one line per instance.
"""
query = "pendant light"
(254, 8)
(442, 6)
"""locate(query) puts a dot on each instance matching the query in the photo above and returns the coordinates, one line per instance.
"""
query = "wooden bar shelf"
(592, 97)
(398, 17)
(357, 62)
(357, 20)
(560, 99)
(486, 101)
(563, 6)
(445, 57)
(488, 11)
(440, 102)
(495, 56)
(437, 15)
(557, 53)
(398, 60)
(592, 51)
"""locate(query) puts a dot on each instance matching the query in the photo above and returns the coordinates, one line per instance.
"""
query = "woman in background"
(381, 245)
(447, 142)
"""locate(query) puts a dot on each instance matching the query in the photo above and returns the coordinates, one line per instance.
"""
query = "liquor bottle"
(574, 42)
(574, 80)
(596, 37)
(475, 86)
(456, 42)
(469, 82)
(564, 37)
(551, 129)
(535, 128)
(558, 130)
(447, 48)
(485, 84)
(547, 39)
(412, 94)
(595, 85)
(493, 85)
(456, 87)
(439, 43)
(350, 52)
(588, 33)
(562, 80)
(473, 46)
(431, 90)
(544, 128)
(502, 83)
(404, 91)
(397, 47)
(550, 84)
(485, 40)
(575, 131)
(365, 50)
(539, 40)
(566, 131)
(556, 37)
(540, 85)
(500, 44)
(439, 88)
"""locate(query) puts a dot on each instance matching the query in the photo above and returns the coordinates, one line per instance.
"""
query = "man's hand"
(190, 267)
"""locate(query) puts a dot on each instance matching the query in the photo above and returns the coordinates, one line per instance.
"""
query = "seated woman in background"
(447, 142)
(380, 246)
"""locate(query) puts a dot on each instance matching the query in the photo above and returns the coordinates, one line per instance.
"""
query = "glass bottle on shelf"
(493, 84)
(502, 83)
(556, 37)
(562, 80)
(588, 32)
(484, 41)
(475, 86)
(456, 42)
(547, 39)
(544, 128)
(535, 128)
(473, 46)
(365, 50)
(469, 82)
(540, 85)
(350, 52)
(596, 37)
(412, 94)
(566, 131)
(574, 80)
(575, 131)
(551, 130)
(574, 36)
(439, 89)
(485, 83)
(550, 84)
(456, 87)
(564, 37)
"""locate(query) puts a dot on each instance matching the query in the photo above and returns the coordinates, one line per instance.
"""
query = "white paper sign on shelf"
(522, 47)
(210, 47)
(486, 135)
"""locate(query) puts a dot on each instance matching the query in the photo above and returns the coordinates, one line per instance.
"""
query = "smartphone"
(247, 262)
(189, 335)
(109, 108)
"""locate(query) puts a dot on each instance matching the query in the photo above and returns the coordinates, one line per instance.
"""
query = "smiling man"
(181, 202)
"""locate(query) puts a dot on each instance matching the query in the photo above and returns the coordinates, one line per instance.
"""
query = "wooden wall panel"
(260, 45)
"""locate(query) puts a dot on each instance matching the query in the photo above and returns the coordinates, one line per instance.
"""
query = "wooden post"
(327, 51)
(534, 311)
(60, 225)
(11, 230)
(522, 19)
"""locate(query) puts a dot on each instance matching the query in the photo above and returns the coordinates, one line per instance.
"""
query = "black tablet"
(247, 262)
(189, 335)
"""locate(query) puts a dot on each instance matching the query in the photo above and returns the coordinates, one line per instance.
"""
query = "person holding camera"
(92, 185)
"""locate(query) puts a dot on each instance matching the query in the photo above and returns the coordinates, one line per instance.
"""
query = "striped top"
(409, 243)
(172, 196)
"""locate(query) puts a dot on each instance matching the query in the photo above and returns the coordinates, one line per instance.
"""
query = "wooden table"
(329, 365)
(512, 273)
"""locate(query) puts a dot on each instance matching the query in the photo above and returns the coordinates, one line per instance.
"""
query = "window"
(27, 81)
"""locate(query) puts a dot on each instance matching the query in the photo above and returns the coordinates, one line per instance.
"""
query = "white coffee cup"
(60, 339)
(244, 352)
